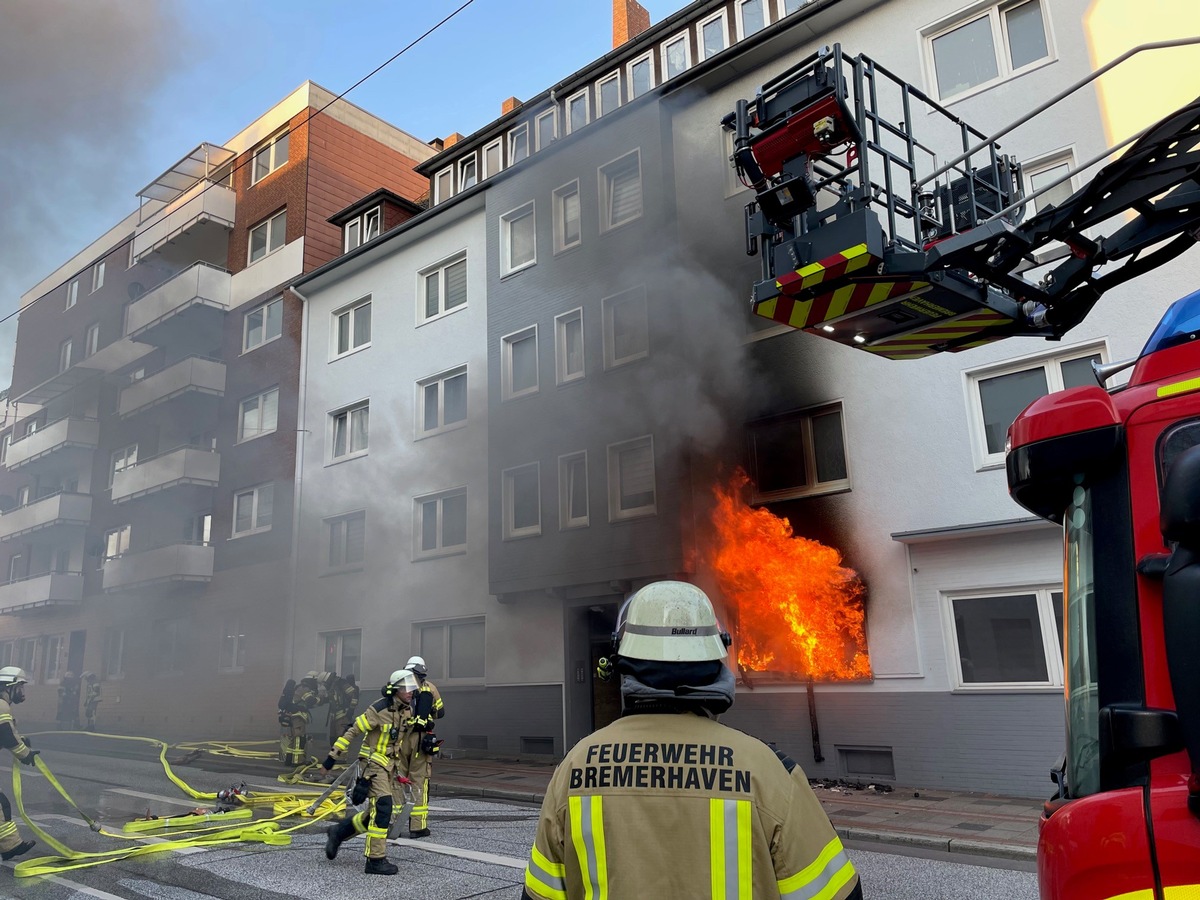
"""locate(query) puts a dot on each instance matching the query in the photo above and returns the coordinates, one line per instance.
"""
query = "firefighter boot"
(335, 834)
(380, 866)
(20, 849)
(419, 833)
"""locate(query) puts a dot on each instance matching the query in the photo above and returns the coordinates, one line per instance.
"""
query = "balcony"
(108, 359)
(39, 592)
(182, 562)
(195, 381)
(51, 443)
(189, 307)
(187, 211)
(52, 511)
(183, 467)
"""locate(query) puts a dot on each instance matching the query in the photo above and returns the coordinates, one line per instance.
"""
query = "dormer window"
(467, 173)
(362, 228)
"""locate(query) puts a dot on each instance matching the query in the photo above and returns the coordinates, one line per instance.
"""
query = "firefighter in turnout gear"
(12, 692)
(295, 712)
(666, 801)
(68, 702)
(91, 699)
(383, 727)
(420, 744)
(343, 704)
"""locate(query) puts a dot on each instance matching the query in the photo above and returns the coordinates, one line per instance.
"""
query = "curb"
(936, 842)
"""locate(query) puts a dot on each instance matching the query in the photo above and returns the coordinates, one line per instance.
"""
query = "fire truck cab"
(1120, 471)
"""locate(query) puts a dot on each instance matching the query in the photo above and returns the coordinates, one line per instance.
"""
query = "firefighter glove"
(362, 788)
(29, 757)
(328, 764)
(421, 723)
(284, 718)
(430, 745)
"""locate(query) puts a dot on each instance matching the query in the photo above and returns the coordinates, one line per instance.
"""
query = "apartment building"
(150, 453)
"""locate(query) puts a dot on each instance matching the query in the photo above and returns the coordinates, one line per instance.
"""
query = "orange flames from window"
(794, 607)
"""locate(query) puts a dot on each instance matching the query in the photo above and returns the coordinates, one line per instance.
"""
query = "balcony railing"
(53, 510)
(62, 434)
(40, 591)
(182, 466)
(206, 203)
(199, 292)
(195, 376)
(171, 563)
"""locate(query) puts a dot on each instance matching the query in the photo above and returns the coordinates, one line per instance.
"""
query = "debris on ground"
(842, 786)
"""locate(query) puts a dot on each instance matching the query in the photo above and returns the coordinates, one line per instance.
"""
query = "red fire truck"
(867, 238)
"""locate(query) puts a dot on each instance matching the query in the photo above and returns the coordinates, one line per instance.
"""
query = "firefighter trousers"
(375, 819)
(292, 739)
(10, 838)
(418, 767)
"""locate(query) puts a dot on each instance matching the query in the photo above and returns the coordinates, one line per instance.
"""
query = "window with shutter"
(631, 489)
(621, 183)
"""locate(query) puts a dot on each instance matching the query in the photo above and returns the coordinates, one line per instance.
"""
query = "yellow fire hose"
(265, 831)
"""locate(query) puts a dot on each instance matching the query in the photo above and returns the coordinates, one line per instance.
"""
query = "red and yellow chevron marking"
(917, 344)
(827, 269)
(849, 298)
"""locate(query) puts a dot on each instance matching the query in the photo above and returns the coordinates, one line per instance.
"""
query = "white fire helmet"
(671, 621)
(11, 675)
(402, 680)
(417, 665)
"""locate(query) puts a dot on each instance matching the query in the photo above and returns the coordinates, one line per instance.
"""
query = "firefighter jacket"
(304, 698)
(92, 697)
(383, 727)
(427, 706)
(10, 738)
(343, 699)
(678, 805)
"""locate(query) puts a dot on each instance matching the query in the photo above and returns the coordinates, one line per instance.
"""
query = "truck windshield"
(1083, 710)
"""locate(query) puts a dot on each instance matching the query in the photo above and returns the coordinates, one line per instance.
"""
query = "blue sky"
(100, 96)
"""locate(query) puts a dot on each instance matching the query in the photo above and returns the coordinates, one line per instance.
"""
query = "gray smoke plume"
(76, 78)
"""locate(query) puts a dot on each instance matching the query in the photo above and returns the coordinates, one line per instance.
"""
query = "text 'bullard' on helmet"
(671, 621)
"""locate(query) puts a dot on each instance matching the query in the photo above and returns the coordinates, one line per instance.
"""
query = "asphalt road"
(477, 849)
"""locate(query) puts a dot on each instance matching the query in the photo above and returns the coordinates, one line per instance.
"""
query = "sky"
(98, 97)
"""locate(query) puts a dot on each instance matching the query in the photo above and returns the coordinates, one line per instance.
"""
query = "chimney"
(509, 105)
(629, 20)
(451, 139)
(437, 144)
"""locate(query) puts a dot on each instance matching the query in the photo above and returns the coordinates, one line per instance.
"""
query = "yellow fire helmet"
(671, 621)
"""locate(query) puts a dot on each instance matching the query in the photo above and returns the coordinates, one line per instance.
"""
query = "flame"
(794, 606)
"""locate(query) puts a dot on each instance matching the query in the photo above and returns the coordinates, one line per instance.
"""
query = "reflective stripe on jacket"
(383, 726)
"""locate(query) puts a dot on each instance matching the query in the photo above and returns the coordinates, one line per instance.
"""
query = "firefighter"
(295, 712)
(383, 727)
(343, 703)
(91, 698)
(420, 745)
(68, 702)
(666, 801)
(12, 692)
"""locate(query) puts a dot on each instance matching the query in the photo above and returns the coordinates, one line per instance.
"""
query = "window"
(714, 35)
(362, 228)
(268, 236)
(125, 458)
(640, 75)
(519, 361)
(626, 328)
(468, 173)
(798, 453)
(1011, 639)
(16, 568)
(567, 233)
(790, 6)
(342, 652)
(493, 159)
(518, 144)
(64, 355)
(631, 479)
(441, 402)
(997, 396)
(4, 443)
(263, 324)
(443, 185)
(98, 276)
(116, 542)
(349, 428)
(91, 340)
(452, 650)
(621, 191)
(572, 490)
(352, 327)
(441, 523)
(751, 17)
(51, 667)
(131, 259)
(233, 646)
(347, 540)
(252, 509)
(114, 652)
(522, 501)
(547, 128)
(518, 242)
(444, 288)
(170, 640)
(987, 47)
(676, 56)
(258, 415)
(608, 94)
(568, 346)
(578, 111)
(72, 293)
(1045, 172)
(269, 157)
(198, 529)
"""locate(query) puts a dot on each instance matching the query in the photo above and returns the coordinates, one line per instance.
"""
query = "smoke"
(76, 82)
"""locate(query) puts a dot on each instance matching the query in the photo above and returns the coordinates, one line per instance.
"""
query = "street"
(477, 850)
